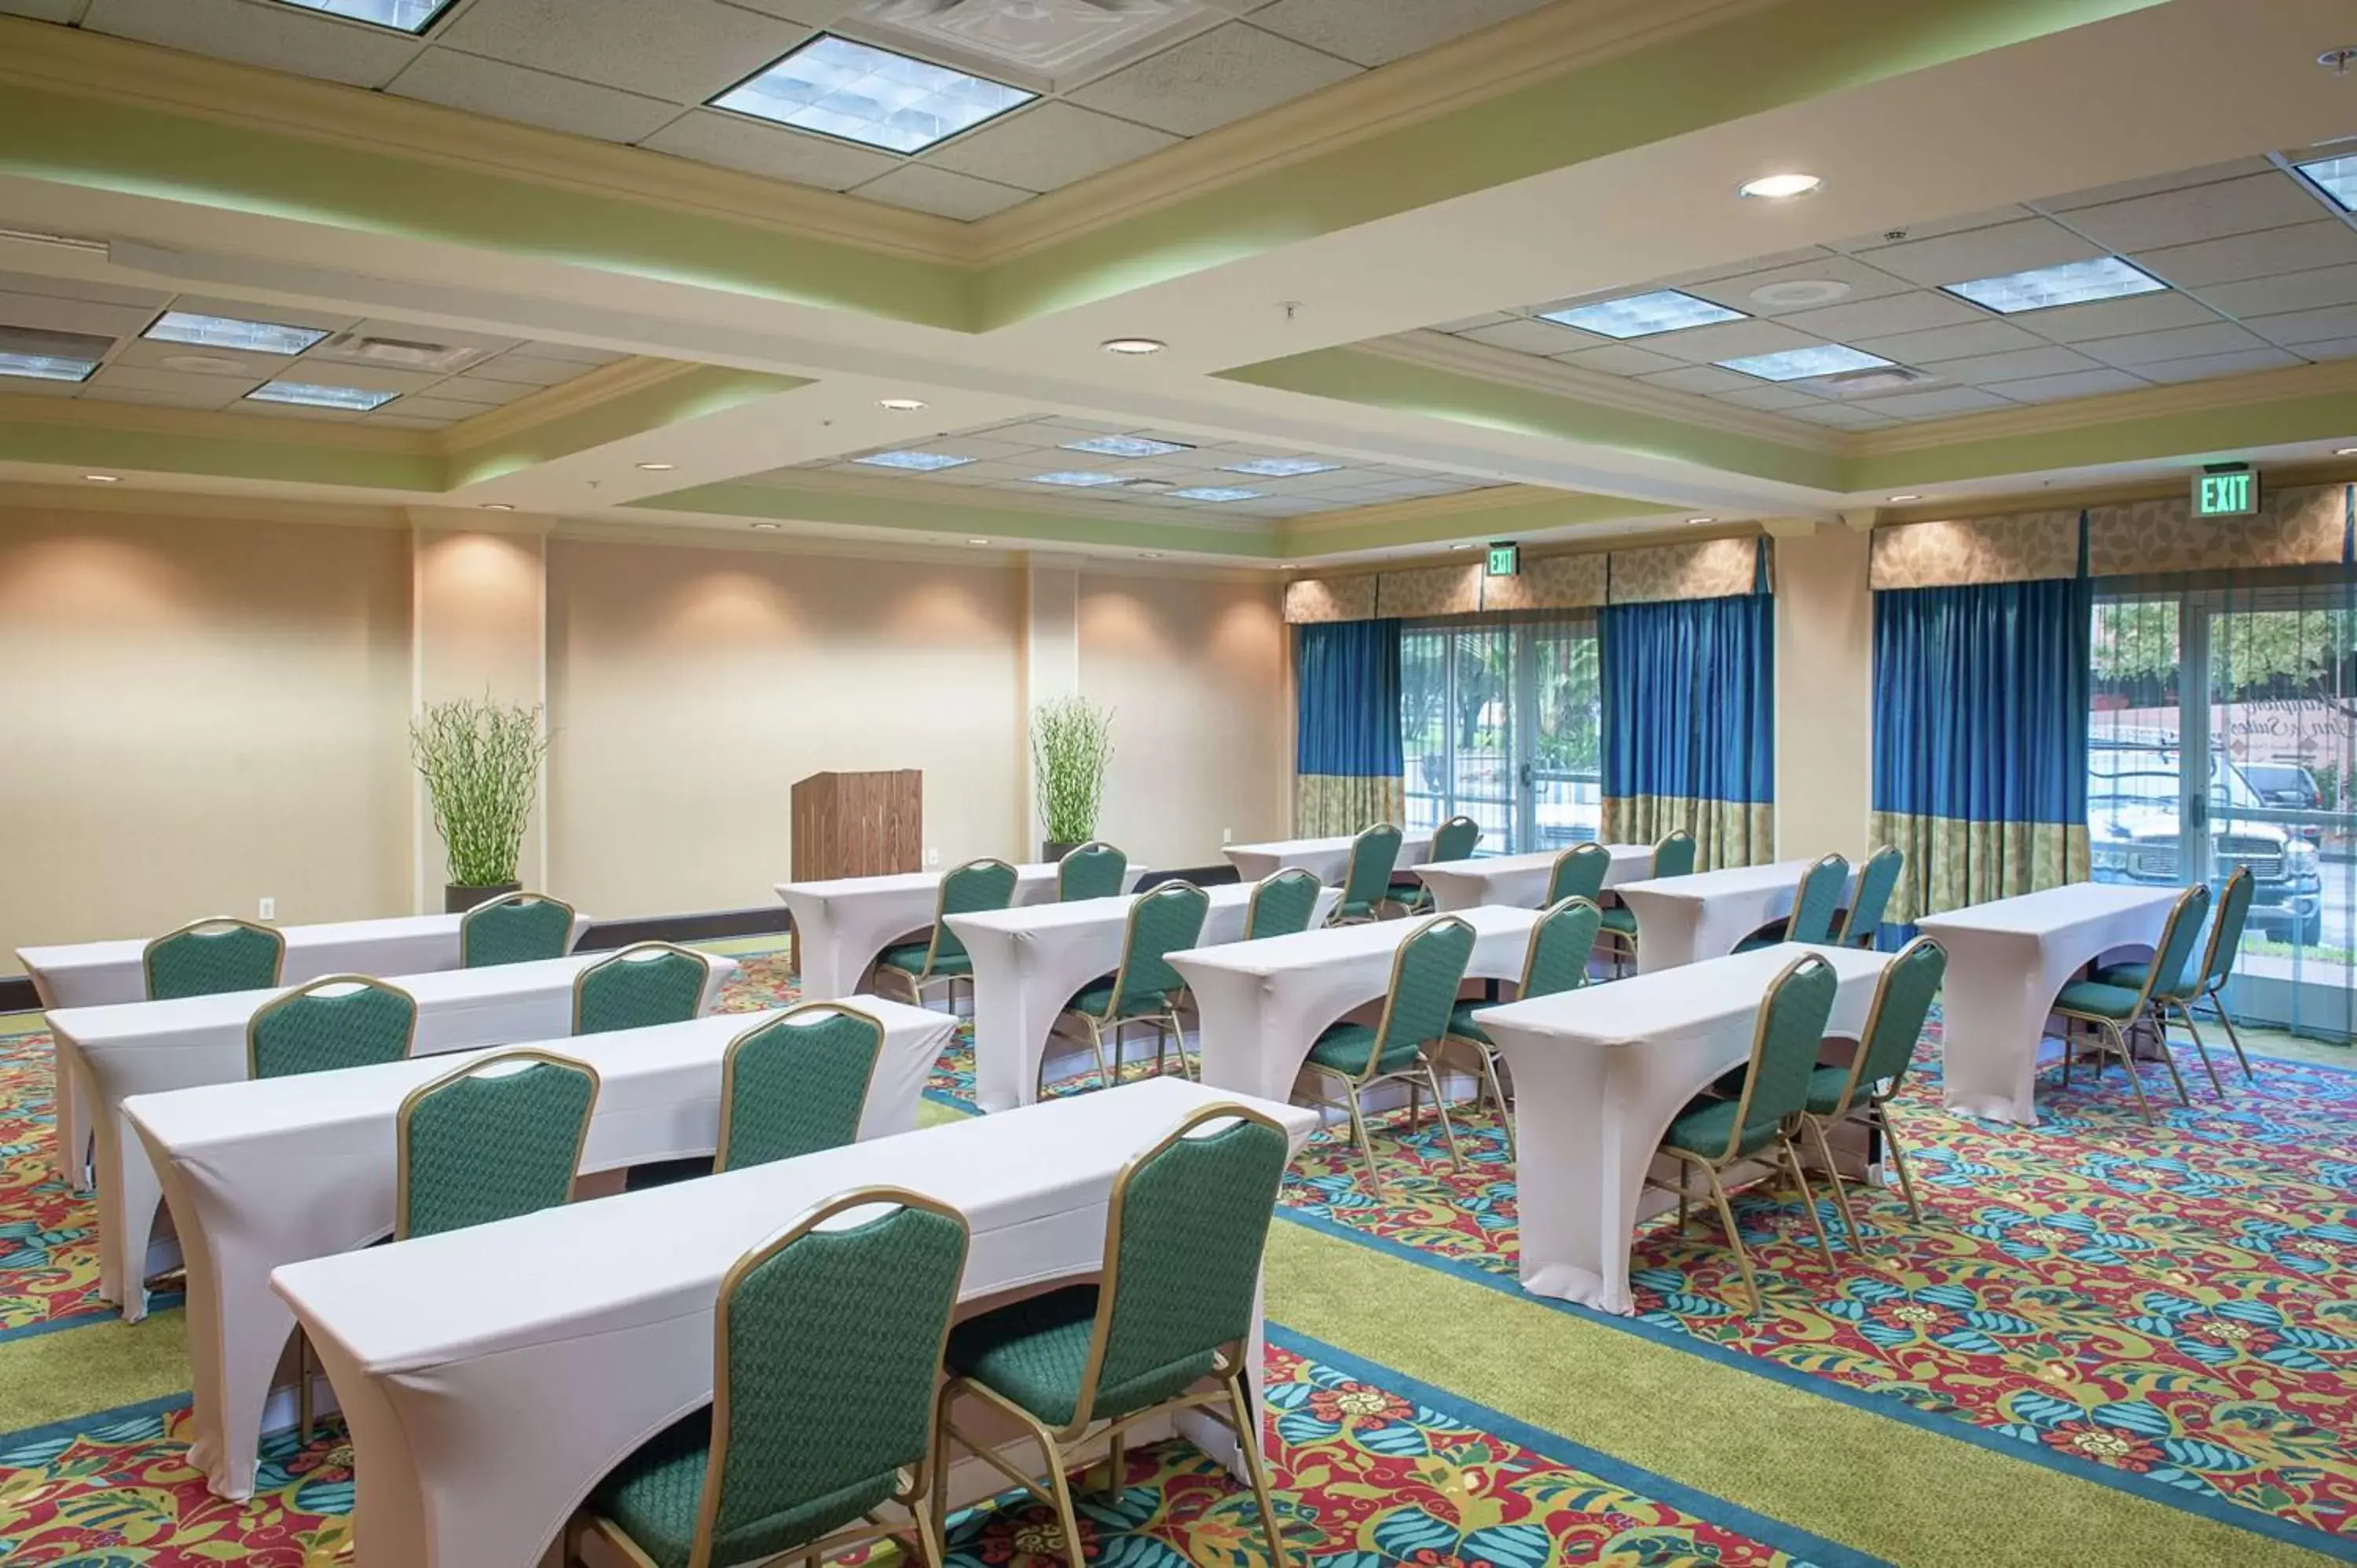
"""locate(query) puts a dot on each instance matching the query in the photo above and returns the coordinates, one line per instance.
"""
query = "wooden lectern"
(858, 824)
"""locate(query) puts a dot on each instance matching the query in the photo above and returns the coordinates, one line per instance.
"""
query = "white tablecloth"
(841, 926)
(492, 1375)
(1329, 858)
(2006, 959)
(1684, 920)
(145, 1047)
(1598, 1075)
(1519, 880)
(1027, 963)
(1262, 1004)
(260, 1174)
(100, 974)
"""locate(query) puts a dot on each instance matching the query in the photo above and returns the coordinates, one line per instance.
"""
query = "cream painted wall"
(1198, 675)
(1825, 671)
(204, 713)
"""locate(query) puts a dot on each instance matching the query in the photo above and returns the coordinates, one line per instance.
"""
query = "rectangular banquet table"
(1029, 961)
(491, 1376)
(841, 926)
(1684, 920)
(1598, 1075)
(2006, 961)
(1519, 880)
(1329, 858)
(1262, 1004)
(144, 1047)
(100, 974)
(260, 1174)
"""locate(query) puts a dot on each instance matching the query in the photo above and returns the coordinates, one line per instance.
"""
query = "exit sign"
(2225, 493)
(1505, 560)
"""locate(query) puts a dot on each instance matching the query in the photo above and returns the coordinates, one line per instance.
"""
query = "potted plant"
(481, 763)
(1072, 741)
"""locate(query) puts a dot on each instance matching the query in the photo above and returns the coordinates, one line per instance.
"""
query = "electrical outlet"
(269, 909)
(932, 857)
(1227, 837)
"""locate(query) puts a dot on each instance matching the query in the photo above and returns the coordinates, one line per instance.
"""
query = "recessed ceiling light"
(2046, 289)
(47, 366)
(918, 462)
(104, 479)
(1133, 346)
(1284, 567)
(231, 332)
(1702, 519)
(1280, 468)
(1467, 546)
(2337, 178)
(900, 404)
(1910, 497)
(1213, 493)
(495, 506)
(1080, 478)
(312, 394)
(1150, 556)
(657, 468)
(871, 96)
(1779, 187)
(2345, 451)
(765, 528)
(977, 541)
(1643, 314)
(1125, 446)
(1794, 291)
(400, 16)
(1800, 364)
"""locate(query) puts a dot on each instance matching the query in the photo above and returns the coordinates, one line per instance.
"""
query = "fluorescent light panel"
(1644, 314)
(2046, 289)
(871, 96)
(46, 366)
(311, 394)
(1280, 468)
(1801, 364)
(1080, 478)
(230, 332)
(919, 462)
(400, 16)
(1126, 447)
(1213, 493)
(2337, 178)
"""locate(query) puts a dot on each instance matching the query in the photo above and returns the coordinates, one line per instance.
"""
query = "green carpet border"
(97, 1420)
(159, 1301)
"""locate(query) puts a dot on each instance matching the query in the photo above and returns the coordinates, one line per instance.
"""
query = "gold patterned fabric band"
(1727, 833)
(1951, 862)
(1327, 804)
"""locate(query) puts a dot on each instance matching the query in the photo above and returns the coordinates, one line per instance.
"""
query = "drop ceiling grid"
(2262, 269)
(641, 73)
(141, 370)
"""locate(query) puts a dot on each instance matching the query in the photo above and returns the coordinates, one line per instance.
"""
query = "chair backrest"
(520, 928)
(1902, 1003)
(2226, 930)
(1784, 1042)
(645, 983)
(1674, 855)
(826, 1347)
(1184, 1233)
(1560, 943)
(501, 1136)
(207, 956)
(336, 1021)
(797, 1084)
(1454, 839)
(1425, 974)
(2170, 976)
(1282, 904)
(968, 890)
(1818, 900)
(1373, 859)
(1579, 872)
(1094, 870)
(1876, 879)
(1169, 919)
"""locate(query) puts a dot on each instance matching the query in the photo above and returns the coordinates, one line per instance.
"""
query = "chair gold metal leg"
(1898, 1157)
(931, 1551)
(1448, 1131)
(1414, 1108)
(1116, 1466)
(2218, 1005)
(1366, 1148)
(2127, 1062)
(1096, 1042)
(2159, 1023)
(1833, 1175)
(1808, 1202)
(2185, 1013)
(303, 1385)
(937, 1511)
(1248, 1439)
(1734, 1237)
(1065, 1514)
(1497, 1092)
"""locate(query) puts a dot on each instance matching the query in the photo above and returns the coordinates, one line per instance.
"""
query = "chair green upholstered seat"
(639, 987)
(797, 1084)
(1367, 882)
(500, 1136)
(1828, 1090)
(1706, 1126)
(337, 1021)
(1619, 920)
(1348, 1048)
(826, 1347)
(206, 958)
(1862, 1089)
(1462, 1025)
(1579, 872)
(967, 889)
(1184, 1232)
(1282, 903)
(1093, 870)
(1673, 855)
(1453, 840)
(2116, 1012)
(2206, 986)
(1145, 989)
(1556, 960)
(2133, 975)
(519, 928)
(1815, 905)
(911, 957)
(1425, 974)
(2104, 1000)
(1876, 880)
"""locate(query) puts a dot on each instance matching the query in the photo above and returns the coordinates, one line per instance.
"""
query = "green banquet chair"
(498, 1138)
(2232, 914)
(324, 1024)
(1556, 961)
(1579, 872)
(1367, 884)
(2113, 1013)
(1861, 1090)
(940, 959)
(1817, 904)
(519, 928)
(1712, 1135)
(797, 1084)
(641, 985)
(1145, 989)
(1876, 880)
(1453, 840)
(1093, 870)
(1184, 1232)
(826, 1347)
(1673, 856)
(1282, 904)
(1425, 974)
(205, 957)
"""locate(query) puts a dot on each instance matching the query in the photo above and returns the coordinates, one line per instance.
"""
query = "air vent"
(400, 353)
(1046, 38)
(1146, 487)
(1860, 383)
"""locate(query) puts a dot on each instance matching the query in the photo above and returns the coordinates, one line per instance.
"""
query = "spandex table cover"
(1329, 858)
(841, 926)
(1684, 920)
(270, 1173)
(1519, 880)
(145, 1047)
(492, 1375)
(1261, 1005)
(1600, 1073)
(100, 974)
(1028, 962)
(2006, 959)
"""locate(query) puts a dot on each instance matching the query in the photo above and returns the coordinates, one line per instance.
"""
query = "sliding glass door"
(1500, 721)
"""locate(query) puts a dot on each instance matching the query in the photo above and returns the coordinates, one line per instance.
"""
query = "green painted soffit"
(1747, 65)
(236, 457)
(1516, 520)
(998, 524)
(694, 394)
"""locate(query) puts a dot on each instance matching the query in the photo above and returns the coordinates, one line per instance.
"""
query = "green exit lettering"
(2234, 494)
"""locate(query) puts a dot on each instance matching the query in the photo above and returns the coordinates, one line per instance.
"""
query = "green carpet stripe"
(102, 1366)
(94, 1422)
(1908, 1494)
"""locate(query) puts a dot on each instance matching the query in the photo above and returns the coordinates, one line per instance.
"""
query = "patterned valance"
(1713, 569)
(1549, 583)
(1429, 591)
(1717, 568)
(2024, 548)
(2307, 527)
(1339, 598)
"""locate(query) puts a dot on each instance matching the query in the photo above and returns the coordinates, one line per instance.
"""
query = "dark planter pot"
(1054, 850)
(457, 900)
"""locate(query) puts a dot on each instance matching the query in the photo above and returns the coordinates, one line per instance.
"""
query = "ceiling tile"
(154, 355)
(2116, 317)
(529, 369)
(1936, 404)
(2019, 365)
(1983, 253)
(428, 406)
(2153, 184)
(2308, 326)
(302, 411)
(282, 316)
(76, 288)
(2269, 200)
(188, 391)
(44, 10)
(1862, 282)
(575, 352)
(410, 421)
(458, 80)
(946, 195)
(1372, 35)
(28, 386)
(1213, 78)
(1731, 340)
(281, 38)
(2077, 384)
(368, 378)
(1048, 146)
(810, 13)
(2279, 296)
(2262, 254)
(1490, 319)
(2177, 343)
(2244, 362)
(1621, 359)
(1916, 311)
(73, 315)
(1768, 399)
(1528, 335)
(710, 136)
(1969, 340)
(1778, 260)
(1932, 228)
(2331, 349)
(1701, 379)
(1841, 415)
(473, 388)
(682, 50)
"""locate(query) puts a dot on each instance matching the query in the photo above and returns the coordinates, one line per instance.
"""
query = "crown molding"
(132, 501)
(920, 492)
(2273, 477)
(583, 392)
(159, 419)
(1464, 503)
(2324, 380)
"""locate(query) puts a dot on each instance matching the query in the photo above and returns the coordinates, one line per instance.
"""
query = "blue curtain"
(1980, 739)
(1689, 725)
(1346, 754)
